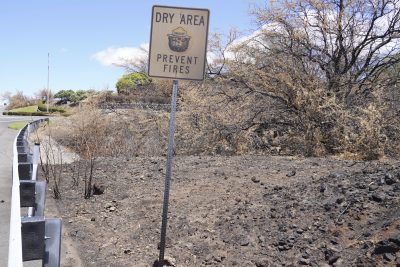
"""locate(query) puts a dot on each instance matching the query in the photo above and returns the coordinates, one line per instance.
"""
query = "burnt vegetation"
(317, 78)
(323, 75)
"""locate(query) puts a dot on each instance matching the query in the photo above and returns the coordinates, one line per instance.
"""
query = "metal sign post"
(178, 46)
(168, 174)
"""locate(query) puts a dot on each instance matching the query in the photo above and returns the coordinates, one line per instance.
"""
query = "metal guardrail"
(32, 236)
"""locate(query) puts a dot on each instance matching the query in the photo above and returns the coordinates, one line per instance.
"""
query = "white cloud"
(118, 55)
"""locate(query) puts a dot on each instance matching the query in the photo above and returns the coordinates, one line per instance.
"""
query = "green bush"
(43, 107)
(129, 82)
(11, 113)
(61, 110)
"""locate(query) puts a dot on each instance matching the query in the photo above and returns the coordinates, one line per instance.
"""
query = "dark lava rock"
(244, 241)
(334, 241)
(361, 185)
(277, 188)
(378, 197)
(333, 259)
(373, 187)
(322, 188)
(285, 244)
(328, 206)
(396, 187)
(381, 181)
(391, 245)
(395, 239)
(332, 255)
(336, 175)
(304, 261)
(389, 257)
(262, 263)
(339, 263)
(366, 234)
(291, 173)
(340, 200)
(255, 179)
(389, 179)
(98, 189)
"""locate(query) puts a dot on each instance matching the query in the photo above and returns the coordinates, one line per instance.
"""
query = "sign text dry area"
(178, 42)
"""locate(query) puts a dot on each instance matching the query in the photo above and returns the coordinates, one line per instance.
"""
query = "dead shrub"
(18, 100)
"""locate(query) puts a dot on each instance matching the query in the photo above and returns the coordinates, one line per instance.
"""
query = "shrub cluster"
(43, 107)
(11, 113)
(134, 98)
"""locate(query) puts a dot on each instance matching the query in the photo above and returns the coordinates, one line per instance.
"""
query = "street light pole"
(48, 81)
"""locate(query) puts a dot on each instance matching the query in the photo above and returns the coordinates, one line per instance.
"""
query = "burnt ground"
(237, 211)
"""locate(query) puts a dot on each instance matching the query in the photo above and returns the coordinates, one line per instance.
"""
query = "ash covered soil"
(237, 211)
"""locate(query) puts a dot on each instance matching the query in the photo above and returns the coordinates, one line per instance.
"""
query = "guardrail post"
(29, 128)
(40, 199)
(27, 191)
(52, 255)
(24, 170)
(21, 149)
(21, 142)
(33, 195)
(35, 160)
(33, 238)
(22, 157)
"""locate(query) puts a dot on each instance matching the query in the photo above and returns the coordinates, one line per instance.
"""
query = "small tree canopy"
(66, 95)
(129, 81)
(73, 96)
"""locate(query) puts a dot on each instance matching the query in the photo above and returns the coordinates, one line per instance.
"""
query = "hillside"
(237, 211)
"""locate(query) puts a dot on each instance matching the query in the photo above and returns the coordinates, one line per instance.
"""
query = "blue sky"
(82, 37)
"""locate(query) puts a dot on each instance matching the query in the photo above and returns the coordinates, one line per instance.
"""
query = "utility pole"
(48, 81)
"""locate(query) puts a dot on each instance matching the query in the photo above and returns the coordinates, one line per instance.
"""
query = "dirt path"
(69, 254)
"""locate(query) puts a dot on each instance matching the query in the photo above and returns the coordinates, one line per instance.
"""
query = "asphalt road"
(69, 256)
(7, 137)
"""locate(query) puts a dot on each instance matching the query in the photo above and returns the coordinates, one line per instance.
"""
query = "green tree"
(82, 94)
(129, 82)
(73, 96)
(65, 95)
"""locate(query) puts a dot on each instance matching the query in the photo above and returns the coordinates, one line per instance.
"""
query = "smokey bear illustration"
(178, 40)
